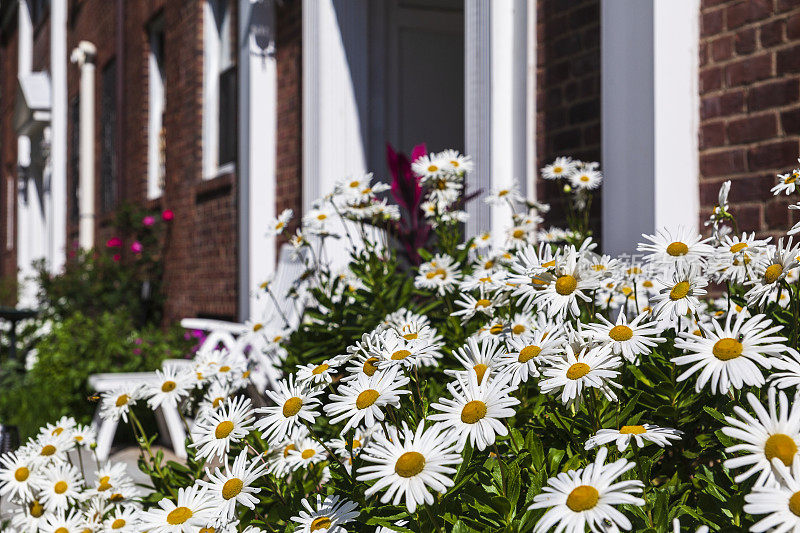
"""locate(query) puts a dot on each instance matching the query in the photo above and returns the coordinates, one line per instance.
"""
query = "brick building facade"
(672, 97)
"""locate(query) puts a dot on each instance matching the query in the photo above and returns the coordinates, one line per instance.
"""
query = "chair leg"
(177, 435)
(105, 438)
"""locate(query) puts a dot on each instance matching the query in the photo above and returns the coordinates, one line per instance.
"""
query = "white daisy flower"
(521, 235)
(122, 520)
(679, 297)
(234, 485)
(684, 245)
(31, 516)
(116, 403)
(479, 356)
(771, 435)
(62, 522)
(485, 304)
(170, 387)
(733, 259)
(779, 501)
(364, 398)
(393, 349)
(587, 496)
(361, 439)
(360, 189)
(214, 433)
(770, 270)
(628, 339)
(65, 423)
(528, 353)
(16, 475)
(572, 373)
(566, 284)
(408, 463)
(307, 452)
(789, 366)
(328, 516)
(58, 486)
(429, 166)
(730, 355)
(455, 161)
(313, 374)
(585, 178)
(560, 168)
(440, 274)
(84, 436)
(636, 433)
(278, 461)
(279, 223)
(476, 411)
(787, 183)
(293, 404)
(113, 484)
(676, 527)
(508, 194)
(796, 228)
(193, 509)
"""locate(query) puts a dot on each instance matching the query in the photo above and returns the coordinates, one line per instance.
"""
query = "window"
(39, 10)
(108, 125)
(219, 89)
(11, 198)
(156, 136)
(74, 158)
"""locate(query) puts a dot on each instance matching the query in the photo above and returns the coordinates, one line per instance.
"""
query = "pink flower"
(114, 242)
(116, 257)
(137, 351)
(167, 215)
(136, 247)
(149, 220)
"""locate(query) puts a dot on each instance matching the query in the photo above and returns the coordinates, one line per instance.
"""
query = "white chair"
(107, 428)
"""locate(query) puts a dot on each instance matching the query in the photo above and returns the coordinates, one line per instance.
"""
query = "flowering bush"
(510, 382)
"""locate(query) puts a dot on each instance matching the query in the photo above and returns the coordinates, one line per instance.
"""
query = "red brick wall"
(568, 91)
(8, 145)
(201, 256)
(289, 186)
(749, 106)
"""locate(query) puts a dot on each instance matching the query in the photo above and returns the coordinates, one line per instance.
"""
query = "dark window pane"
(74, 159)
(227, 116)
(108, 125)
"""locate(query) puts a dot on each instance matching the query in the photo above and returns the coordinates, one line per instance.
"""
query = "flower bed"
(514, 382)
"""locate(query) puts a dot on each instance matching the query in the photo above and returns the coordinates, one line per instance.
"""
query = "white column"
(257, 148)
(649, 55)
(497, 99)
(29, 216)
(84, 56)
(58, 124)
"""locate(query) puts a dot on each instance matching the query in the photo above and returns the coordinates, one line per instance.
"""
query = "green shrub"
(77, 347)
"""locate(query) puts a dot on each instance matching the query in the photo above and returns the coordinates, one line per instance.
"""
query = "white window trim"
(156, 106)
(212, 66)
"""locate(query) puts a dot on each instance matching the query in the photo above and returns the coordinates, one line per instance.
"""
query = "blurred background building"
(229, 111)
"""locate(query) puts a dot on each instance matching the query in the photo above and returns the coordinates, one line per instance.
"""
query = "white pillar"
(650, 106)
(58, 125)
(84, 56)
(257, 149)
(498, 75)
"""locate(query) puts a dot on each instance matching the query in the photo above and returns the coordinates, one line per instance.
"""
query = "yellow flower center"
(566, 285)
(321, 522)
(621, 333)
(647, 283)
(409, 464)
(473, 412)
(224, 368)
(677, 249)
(632, 430)
(179, 515)
(781, 446)
(118, 523)
(584, 178)
(122, 400)
(528, 353)
(369, 367)
(61, 530)
(289, 448)
(518, 233)
(483, 302)
(399, 355)
(366, 398)
(354, 184)
(727, 349)
(168, 386)
(519, 329)
(36, 509)
(496, 329)
(217, 401)
(680, 290)
(410, 336)
(308, 453)
(21, 474)
(790, 178)
(480, 370)
(320, 369)
(738, 247)
(773, 272)
(223, 429)
(292, 406)
(598, 268)
(116, 497)
(582, 498)
(257, 326)
(432, 168)
(503, 192)
(232, 488)
(794, 503)
(104, 484)
(557, 170)
(47, 450)
(60, 487)
(57, 431)
(578, 370)
(322, 216)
